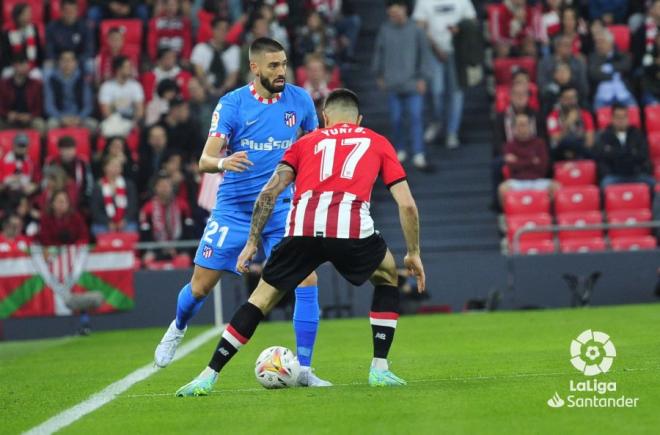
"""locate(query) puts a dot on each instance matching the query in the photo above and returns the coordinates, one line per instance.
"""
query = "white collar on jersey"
(261, 99)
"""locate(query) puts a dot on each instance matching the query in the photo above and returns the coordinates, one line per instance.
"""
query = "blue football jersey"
(265, 128)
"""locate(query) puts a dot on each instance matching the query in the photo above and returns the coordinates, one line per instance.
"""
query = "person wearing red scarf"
(61, 224)
(22, 36)
(114, 201)
(17, 171)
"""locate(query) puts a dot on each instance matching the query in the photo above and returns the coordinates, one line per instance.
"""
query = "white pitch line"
(111, 392)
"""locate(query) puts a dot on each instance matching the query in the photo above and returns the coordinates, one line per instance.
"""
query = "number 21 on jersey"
(327, 148)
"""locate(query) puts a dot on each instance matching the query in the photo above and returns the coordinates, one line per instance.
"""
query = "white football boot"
(168, 344)
(307, 378)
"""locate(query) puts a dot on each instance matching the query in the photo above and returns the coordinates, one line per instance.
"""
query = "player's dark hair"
(344, 97)
(265, 45)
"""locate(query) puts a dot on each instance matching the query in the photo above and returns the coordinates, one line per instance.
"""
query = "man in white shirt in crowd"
(121, 100)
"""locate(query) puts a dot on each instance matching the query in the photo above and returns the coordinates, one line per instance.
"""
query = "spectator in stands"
(519, 102)
(643, 40)
(651, 76)
(562, 77)
(12, 239)
(515, 26)
(400, 65)
(164, 218)
(526, 157)
(258, 28)
(17, 170)
(21, 36)
(201, 105)
(608, 11)
(70, 33)
(181, 134)
(21, 98)
(563, 54)
(217, 63)
(121, 100)
(23, 208)
(571, 129)
(275, 29)
(116, 147)
(68, 98)
(316, 37)
(117, 10)
(170, 29)
(159, 105)
(575, 30)
(115, 46)
(317, 81)
(76, 168)
(440, 24)
(151, 156)
(622, 152)
(608, 70)
(166, 68)
(54, 179)
(183, 181)
(114, 201)
(550, 22)
(61, 224)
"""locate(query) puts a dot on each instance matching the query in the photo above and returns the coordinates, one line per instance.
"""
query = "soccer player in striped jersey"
(334, 169)
(256, 124)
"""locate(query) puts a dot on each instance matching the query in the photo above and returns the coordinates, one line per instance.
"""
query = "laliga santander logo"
(592, 352)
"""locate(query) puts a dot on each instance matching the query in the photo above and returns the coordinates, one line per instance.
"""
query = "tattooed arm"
(263, 208)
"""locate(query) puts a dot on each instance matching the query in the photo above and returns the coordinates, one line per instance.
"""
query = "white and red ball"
(277, 367)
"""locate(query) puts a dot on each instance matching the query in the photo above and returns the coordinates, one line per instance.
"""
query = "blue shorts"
(227, 232)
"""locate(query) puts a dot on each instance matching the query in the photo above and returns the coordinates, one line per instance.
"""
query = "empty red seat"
(34, 149)
(604, 116)
(79, 134)
(534, 247)
(629, 217)
(580, 219)
(654, 145)
(636, 243)
(621, 36)
(652, 115)
(132, 29)
(631, 196)
(574, 246)
(526, 202)
(577, 199)
(575, 173)
(516, 222)
(504, 67)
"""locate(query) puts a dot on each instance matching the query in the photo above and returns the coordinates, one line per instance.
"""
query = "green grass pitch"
(467, 373)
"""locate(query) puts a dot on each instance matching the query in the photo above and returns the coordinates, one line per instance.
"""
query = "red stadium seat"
(575, 173)
(514, 223)
(577, 199)
(55, 6)
(34, 149)
(37, 7)
(629, 217)
(580, 219)
(492, 9)
(637, 243)
(656, 173)
(534, 247)
(205, 30)
(526, 202)
(503, 68)
(579, 246)
(79, 134)
(652, 115)
(632, 196)
(604, 117)
(621, 36)
(654, 145)
(117, 240)
(132, 29)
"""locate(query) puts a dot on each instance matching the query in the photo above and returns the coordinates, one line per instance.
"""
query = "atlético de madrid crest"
(290, 118)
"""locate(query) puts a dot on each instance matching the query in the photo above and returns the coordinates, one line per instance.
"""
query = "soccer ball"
(277, 367)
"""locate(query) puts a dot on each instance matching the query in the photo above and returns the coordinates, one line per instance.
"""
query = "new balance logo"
(223, 351)
(381, 336)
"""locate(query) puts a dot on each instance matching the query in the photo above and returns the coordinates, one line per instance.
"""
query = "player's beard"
(270, 86)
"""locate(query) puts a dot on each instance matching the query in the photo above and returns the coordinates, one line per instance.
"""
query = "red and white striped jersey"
(336, 169)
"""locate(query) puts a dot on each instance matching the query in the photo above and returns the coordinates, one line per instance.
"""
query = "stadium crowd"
(104, 105)
(577, 93)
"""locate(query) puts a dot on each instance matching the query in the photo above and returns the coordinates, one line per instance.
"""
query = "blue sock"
(306, 322)
(187, 306)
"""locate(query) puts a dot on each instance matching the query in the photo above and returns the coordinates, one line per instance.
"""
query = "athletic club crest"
(290, 118)
(207, 252)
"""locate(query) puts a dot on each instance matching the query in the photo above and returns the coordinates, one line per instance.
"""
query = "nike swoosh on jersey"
(251, 122)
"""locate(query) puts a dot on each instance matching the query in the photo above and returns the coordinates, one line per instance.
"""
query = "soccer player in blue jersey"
(256, 124)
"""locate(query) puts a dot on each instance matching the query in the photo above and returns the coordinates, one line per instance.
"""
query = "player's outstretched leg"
(383, 318)
(190, 301)
(238, 332)
(306, 324)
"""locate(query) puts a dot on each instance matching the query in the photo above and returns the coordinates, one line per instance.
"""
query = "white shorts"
(538, 184)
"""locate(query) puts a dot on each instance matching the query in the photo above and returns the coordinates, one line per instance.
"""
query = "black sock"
(383, 318)
(238, 332)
